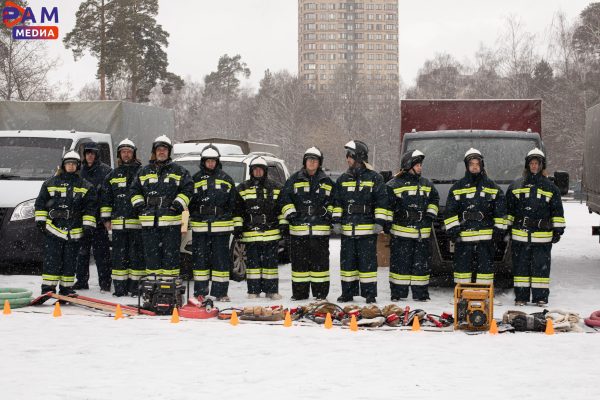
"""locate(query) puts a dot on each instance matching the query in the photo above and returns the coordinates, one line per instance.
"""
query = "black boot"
(80, 286)
(345, 299)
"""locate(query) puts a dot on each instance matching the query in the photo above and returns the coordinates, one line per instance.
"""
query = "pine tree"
(91, 33)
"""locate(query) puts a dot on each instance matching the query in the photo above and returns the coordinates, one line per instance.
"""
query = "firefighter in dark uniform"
(94, 171)
(258, 227)
(160, 193)
(307, 204)
(414, 202)
(475, 212)
(535, 213)
(65, 207)
(361, 202)
(212, 209)
(117, 214)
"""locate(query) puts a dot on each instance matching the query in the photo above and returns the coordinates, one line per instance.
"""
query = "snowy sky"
(264, 32)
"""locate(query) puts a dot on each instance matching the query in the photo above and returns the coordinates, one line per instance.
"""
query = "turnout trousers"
(161, 250)
(95, 241)
(310, 266)
(409, 267)
(210, 253)
(474, 262)
(262, 273)
(59, 264)
(531, 269)
(358, 266)
(127, 260)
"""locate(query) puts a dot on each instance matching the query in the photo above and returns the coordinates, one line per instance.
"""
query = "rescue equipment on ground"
(473, 306)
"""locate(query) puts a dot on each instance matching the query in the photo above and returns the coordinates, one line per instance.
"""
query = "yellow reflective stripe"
(169, 218)
(301, 184)
(41, 213)
(558, 219)
(489, 190)
(184, 198)
(222, 274)
(521, 279)
(458, 192)
(325, 186)
(451, 219)
(203, 182)
(410, 230)
(462, 275)
(367, 183)
(144, 178)
(476, 233)
(105, 209)
(348, 273)
(174, 176)
(57, 189)
(521, 190)
(510, 218)
(544, 193)
(248, 191)
(367, 274)
(350, 183)
(361, 227)
(118, 180)
(222, 182)
(419, 278)
(433, 207)
(90, 218)
(540, 234)
(540, 280)
(80, 190)
(400, 277)
(137, 198)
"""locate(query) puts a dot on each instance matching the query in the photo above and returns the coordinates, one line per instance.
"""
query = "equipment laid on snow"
(594, 319)
(89, 302)
(199, 308)
(16, 297)
(160, 295)
(473, 306)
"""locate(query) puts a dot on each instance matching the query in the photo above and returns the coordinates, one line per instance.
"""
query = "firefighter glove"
(555, 237)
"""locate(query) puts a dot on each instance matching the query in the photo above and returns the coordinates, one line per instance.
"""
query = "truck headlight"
(24, 210)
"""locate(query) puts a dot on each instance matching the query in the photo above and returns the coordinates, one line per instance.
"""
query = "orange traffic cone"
(288, 319)
(118, 312)
(549, 327)
(6, 307)
(234, 318)
(353, 323)
(175, 316)
(328, 322)
(416, 326)
(493, 327)
(57, 312)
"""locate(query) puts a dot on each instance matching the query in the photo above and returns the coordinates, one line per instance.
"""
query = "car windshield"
(504, 157)
(236, 170)
(32, 158)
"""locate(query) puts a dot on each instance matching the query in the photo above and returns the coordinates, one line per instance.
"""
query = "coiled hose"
(17, 298)
(593, 320)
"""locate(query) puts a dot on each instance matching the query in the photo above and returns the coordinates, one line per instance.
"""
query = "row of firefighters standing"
(143, 207)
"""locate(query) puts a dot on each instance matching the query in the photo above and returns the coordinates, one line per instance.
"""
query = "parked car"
(235, 162)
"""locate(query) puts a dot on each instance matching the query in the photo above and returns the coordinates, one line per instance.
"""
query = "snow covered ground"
(86, 355)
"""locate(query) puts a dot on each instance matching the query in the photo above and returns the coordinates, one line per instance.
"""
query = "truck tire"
(238, 260)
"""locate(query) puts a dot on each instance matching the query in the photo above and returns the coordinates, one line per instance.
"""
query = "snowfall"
(90, 355)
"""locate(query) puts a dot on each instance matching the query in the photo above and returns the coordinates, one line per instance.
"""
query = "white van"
(27, 159)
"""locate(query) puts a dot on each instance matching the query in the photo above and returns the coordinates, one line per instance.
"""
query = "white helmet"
(126, 143)
(473, 154)
(162, 141)
(71, 156)
(536, 153)
(259, 162)
(313, 152)
(210, 152)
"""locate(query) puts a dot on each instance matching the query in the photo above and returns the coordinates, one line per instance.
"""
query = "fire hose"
(16, 297)
(593, 320)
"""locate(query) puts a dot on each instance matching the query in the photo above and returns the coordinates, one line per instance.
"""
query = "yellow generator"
(473, 306)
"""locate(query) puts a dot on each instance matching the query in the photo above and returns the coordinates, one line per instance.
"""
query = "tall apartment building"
(360, 35)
